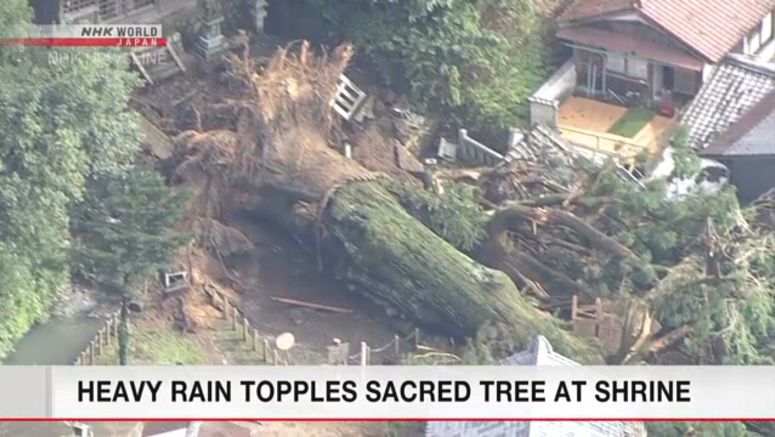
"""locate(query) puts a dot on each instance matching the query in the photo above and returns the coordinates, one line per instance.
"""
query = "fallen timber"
(280, 166)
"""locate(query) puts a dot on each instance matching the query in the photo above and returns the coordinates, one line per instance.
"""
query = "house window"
(685, 81)
(627, 65)
(637, 67)
(615, 62)
(77, 5)
(143, 3)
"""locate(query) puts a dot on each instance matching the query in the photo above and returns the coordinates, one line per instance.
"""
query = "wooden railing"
(390, 350)
(240, 323)
(606, 144)
(620, 148)
(100, 342)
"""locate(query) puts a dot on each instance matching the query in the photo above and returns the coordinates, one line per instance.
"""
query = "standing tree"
(123, 334)
(124, 233)
(477, 60)
(63, 117)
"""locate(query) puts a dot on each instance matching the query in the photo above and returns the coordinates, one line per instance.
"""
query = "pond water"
(57, 341)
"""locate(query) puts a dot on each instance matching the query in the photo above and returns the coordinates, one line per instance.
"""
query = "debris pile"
(271, 154)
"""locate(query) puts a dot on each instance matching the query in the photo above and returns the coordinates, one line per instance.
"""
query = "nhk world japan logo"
(90, 35)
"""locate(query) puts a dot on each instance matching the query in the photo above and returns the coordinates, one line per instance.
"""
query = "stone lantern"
(259, 14)
(211, 41)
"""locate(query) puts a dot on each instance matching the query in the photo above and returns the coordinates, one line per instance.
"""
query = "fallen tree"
(404, 264)
(277, 163)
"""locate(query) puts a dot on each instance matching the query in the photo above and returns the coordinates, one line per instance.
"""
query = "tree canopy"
(124, 228)
(476, 60)
(63, 117)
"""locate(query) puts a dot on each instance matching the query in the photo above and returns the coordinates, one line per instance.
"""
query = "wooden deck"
(585, 123)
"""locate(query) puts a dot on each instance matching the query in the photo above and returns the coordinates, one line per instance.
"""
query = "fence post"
(364, 354)
(255, 340)
(397, 345)
(245, 327)
(276, 357)
(108, 327)
(416, 337)
(100, 339)
(91, 353)
(266, 351)
(225, 308)
(234, 315)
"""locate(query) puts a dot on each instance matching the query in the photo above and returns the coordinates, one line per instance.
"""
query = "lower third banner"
(680, 393)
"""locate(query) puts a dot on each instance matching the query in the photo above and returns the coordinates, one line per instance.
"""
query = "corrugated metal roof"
(710, 27)
(735, 87)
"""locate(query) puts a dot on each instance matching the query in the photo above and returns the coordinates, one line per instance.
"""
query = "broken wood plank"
(311, 305)
(140, 67)
(670, 339)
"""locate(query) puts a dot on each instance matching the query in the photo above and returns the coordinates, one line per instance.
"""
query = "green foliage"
(632, 122)
(732, 317)
(455, 215)
(413, 270)
(495, 341)
(477, 60)
(123, 336)
(658, 227)
(404, 429)
(687, 163)
(696, 429)
(61, 121)
(124, 228)
(155, 345)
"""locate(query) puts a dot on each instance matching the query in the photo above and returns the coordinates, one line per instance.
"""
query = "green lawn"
(155, 346)
(632, 122)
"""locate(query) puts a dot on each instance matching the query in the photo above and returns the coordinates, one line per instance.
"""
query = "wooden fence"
(261, 345)
(271, 355)
(104, 338)
(240, 323)
(390, 351)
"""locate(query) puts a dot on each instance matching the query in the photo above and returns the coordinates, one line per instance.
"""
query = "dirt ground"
(280, 267)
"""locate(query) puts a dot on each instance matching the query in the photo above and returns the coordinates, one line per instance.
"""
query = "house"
(540, 353)
(731, 121)
(736, 86)
(653, 54)
(747, 149)
(199, 429)
(113, 11)
(71, 429)
(661, 46)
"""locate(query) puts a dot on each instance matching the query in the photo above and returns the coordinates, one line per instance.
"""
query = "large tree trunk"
(280, 159)
(402, 264)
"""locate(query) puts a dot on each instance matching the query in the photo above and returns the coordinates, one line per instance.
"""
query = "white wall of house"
(545, 102)
(760, 41)
(707, 72)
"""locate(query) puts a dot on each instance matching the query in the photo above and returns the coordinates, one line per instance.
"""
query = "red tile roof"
(710, 27)
(584, 9)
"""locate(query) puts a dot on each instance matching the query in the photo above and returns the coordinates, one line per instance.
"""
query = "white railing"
(473, 152)
(348, 98)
